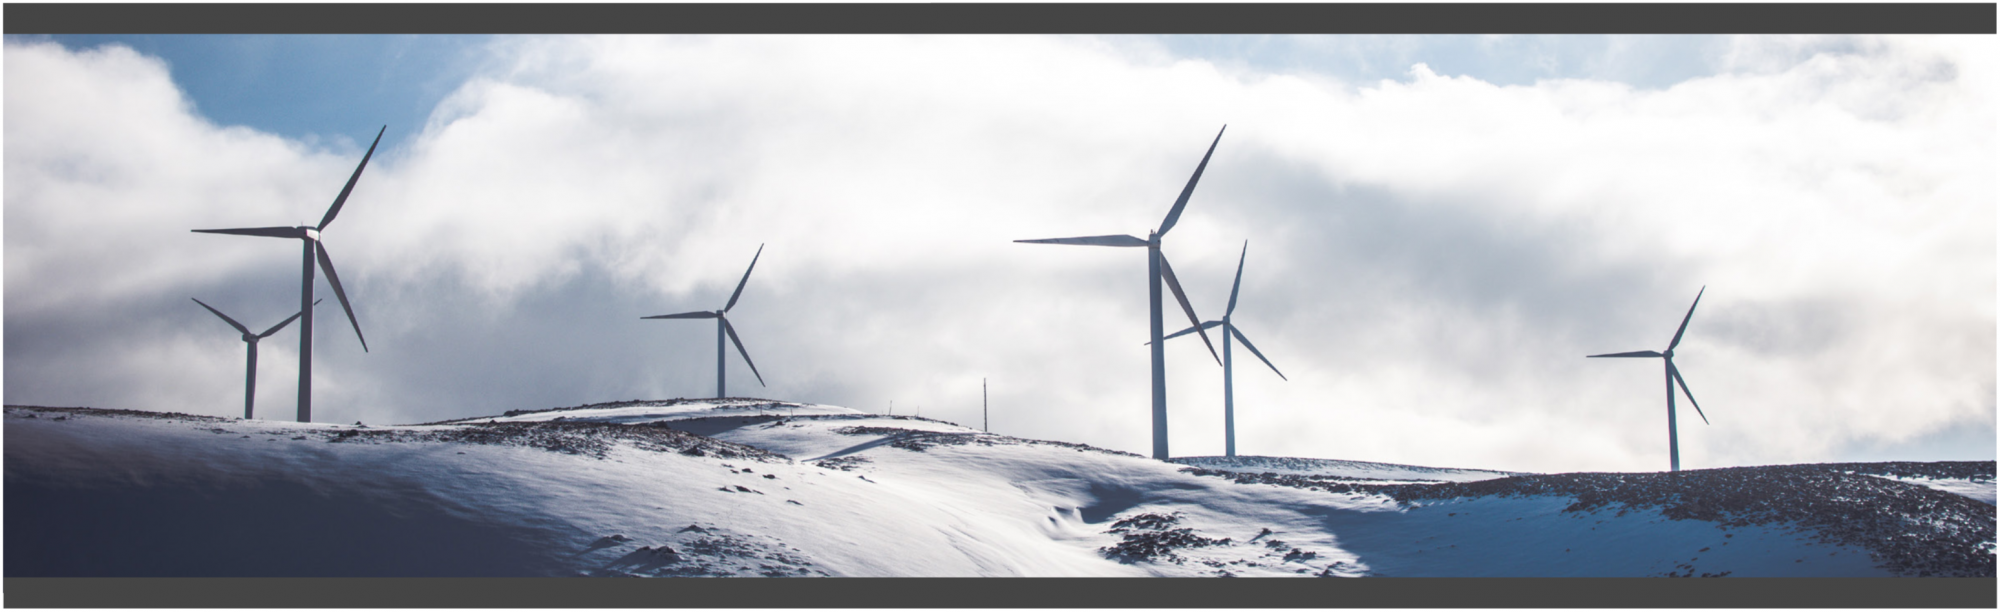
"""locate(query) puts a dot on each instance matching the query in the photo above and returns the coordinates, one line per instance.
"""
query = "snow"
(757, 488)
(1531, 536)
(1982, 490)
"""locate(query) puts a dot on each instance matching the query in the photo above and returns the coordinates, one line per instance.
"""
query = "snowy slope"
(1982, 490)
(752, 487)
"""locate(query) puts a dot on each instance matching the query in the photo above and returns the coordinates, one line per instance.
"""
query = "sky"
(1439, 229)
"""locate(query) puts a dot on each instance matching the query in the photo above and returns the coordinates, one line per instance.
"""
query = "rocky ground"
(1150, 537)
(744, 402)
(1910, 530)
(703, 550)
(583, 438)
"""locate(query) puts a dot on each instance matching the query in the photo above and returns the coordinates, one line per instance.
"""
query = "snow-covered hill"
(746, 487)
(1345, 470)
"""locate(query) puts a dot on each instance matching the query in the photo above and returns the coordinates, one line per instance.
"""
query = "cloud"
(1430, 255)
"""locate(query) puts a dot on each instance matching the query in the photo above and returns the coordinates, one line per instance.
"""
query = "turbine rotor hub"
(312, 233)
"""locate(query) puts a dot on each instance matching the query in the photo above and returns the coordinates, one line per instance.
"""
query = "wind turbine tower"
(250, 375)
(1673, 376)
(310, 235)
(722, 327)
(1156, 271)
(1228, 369)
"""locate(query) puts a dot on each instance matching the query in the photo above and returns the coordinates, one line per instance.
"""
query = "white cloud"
(1430, 256)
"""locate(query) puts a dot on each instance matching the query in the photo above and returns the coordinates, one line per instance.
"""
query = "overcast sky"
(1439, 227)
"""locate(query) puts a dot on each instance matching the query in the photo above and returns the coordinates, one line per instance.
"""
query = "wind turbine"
(1228, 379)
(722, 327)
(1673, 376)
(1156, 270)
(250, 374)
(310, 235)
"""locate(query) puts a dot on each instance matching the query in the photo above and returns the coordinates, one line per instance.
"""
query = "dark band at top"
(975, 18)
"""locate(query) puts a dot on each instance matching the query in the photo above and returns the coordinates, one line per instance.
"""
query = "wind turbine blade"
(1185, 332)
(1631, 354)
(746, 279)
(232, 322)
(337, 202)
(1167, 274)
(1174, 216)
(285, 323)
(1684, 389)
(1684, 320)
(271, 232)
(1120, 240)
(1253, 350)
(326, 264)
(739, 350)
(699, 314)
(288, 321)
(1239, 280)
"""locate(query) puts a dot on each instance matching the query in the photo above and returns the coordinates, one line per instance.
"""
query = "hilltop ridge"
(751, 487)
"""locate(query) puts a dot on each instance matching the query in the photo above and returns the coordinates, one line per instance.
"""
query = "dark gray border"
(999, 592)
(976, 18)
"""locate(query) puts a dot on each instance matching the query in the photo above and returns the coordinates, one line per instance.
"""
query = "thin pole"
(720, 389)
(1159, 351)
(984, 423)
(306, 339)
(250, 382)
(1673, 434)
(1228, 394)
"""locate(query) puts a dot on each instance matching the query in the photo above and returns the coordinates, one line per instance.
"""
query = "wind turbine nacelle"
(310, 232)
(250, 338)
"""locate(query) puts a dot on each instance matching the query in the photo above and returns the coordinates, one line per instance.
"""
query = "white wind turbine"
(310, 235)
(1156, 271)
(1228, 369)
(250, 373)
(722, 327)
(1673, 376)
